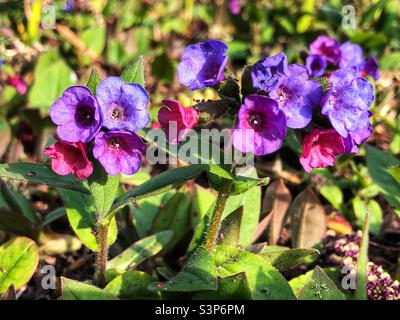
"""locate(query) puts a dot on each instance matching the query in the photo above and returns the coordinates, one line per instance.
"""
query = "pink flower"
(69, 158)
(320, 148)
(177, 120)
(18, 83)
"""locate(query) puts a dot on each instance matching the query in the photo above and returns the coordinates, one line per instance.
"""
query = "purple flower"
(327, 47)
(316, 65)
(351, 55)
(203, 64)
(261, 126)
(69, 5)
(266, 73)
(76, 114)
(347, 101)
(2, 61)
(123, 105)
(119, 151)
(371, 68)
(297, 96)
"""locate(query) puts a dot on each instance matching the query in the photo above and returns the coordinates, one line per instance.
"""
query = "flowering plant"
(207, 198)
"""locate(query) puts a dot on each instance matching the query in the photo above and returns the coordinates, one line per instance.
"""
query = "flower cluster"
(104, 123)
(289, 96)
(344, 251)
(325, 51)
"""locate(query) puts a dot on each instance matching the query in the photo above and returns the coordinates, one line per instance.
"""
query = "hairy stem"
(102, 254)
(216, 218)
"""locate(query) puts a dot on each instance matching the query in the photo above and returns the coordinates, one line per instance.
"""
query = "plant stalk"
(102, 254)
(216, 218)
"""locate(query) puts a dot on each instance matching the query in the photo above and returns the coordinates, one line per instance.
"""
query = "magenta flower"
(119, 151)
(327, 47)
(234, 6)
(297, 96)
(316, 65)
(69, 158)
(347, 101)
(261, 126)
(123, 105)
(320, 148)
(180, 119)
(203, 64)
(76, 114)
(351, 55)
(266, 73)
(18, 83)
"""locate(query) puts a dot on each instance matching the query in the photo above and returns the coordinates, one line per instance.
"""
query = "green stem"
(216, 219)
(102, 254)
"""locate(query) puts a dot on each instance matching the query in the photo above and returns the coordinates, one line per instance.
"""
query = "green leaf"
(199, 273)
(81, 214)
(360, 209)
(175, 216)
(362, 278)
(333, 194)
(52, 76)
(320, 287)
(74, 290)
(132, 285)
(308, 220)
(283, 258)
(233, 287)
(144, 211)
(378, 163)
(140, 251)
(159, 184)
(134, 73)
(18, 261)
(40, 174)
(265, 282)
(229, 233)
(103, 188)
(93, 81)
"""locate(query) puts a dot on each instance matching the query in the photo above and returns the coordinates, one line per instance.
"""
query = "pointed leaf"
(134, 73)
(320, 287)
(94, 81)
